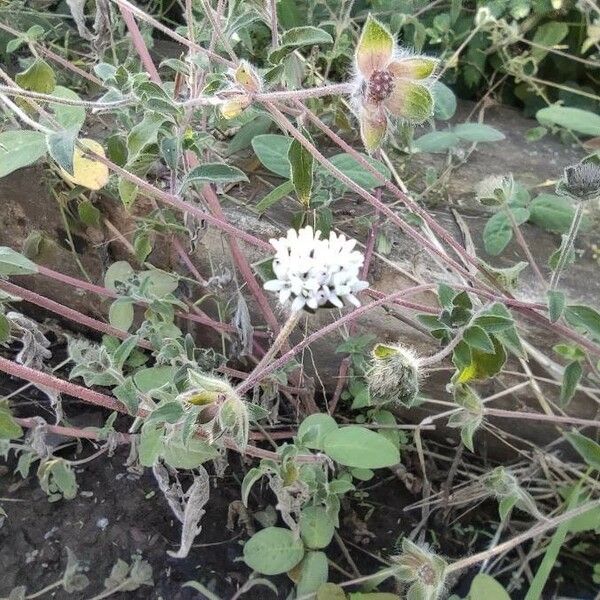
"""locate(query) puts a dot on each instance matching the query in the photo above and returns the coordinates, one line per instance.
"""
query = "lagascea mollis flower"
(390, 81)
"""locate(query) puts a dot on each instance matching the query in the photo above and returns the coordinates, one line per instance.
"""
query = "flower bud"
(394, 375)
(581, 182)
(425, 570)
(222, 409)
(247, 77)
(234, 105)
(495, 190)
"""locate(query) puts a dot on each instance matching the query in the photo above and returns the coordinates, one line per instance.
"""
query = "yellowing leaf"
(88, 172)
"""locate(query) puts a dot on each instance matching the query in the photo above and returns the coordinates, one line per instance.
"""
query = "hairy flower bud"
(233, 106)
(495, 190)
(222, 409)
(425, 570)
(581, 181)
(394, 374)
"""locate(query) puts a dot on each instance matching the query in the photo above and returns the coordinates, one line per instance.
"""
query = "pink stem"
(139, 44)
(242, 262)
(66, 312)
(342, 373)
(256, 376)
(177, 203)
(383, 208)
(188, 262)
(66, 387)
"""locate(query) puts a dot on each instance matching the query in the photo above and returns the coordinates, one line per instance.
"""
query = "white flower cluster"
(313, 272)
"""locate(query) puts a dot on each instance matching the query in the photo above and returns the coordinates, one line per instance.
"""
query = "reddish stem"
(242, 263)
(66, 387)
(139, 44)
(256, 377)
(66, 312)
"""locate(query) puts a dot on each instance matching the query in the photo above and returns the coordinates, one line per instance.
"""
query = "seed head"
(581, 181)
(380, 86)
(394, 375)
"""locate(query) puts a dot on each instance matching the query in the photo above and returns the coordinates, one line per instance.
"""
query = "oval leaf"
(273, 550)
(356, 446)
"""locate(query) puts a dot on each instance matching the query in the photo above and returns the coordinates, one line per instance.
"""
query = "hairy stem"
(568, 246)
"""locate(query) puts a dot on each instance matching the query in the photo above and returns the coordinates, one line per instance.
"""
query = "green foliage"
(273, 550)
(20, 149)
(356, 446)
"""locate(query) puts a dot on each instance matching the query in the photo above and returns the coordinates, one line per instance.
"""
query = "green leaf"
(252, 476)
(585, 318)
(281, 191)
(120, 314)
(436, 141)
(215, 173)
(316, 527)
(259, 125)
(301, 171)
(552, 213)
(330, 591)
(169, 412)
(189, 456)
(39, 77)
(272, 151)
(20, 149)
(556, 305)
(61, 146)
(297, 38)
(352, 169)
(68, 117)
(4, 329)
(273, 550)
(549, 34)
(498, 231)
(143, 134)
(478, 132)
(588, 448)
(151, 444)
(88, 213)
(152, 378)
(444, 105)
(571, 379)
(356, 446)
(9, 428)
(127, 394)
(314, 571)
(314, 428)
(484, 586)
(477, 338)
(575, 119)
(13, 263)
(484, 365)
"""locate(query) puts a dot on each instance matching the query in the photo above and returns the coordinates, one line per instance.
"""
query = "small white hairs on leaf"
(312, 272)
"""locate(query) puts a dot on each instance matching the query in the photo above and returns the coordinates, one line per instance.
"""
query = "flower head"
(222, 411)
(390, 81)
(424, 570)
(245, 82)
(312, 272)
(394, 374)
(581, 181)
